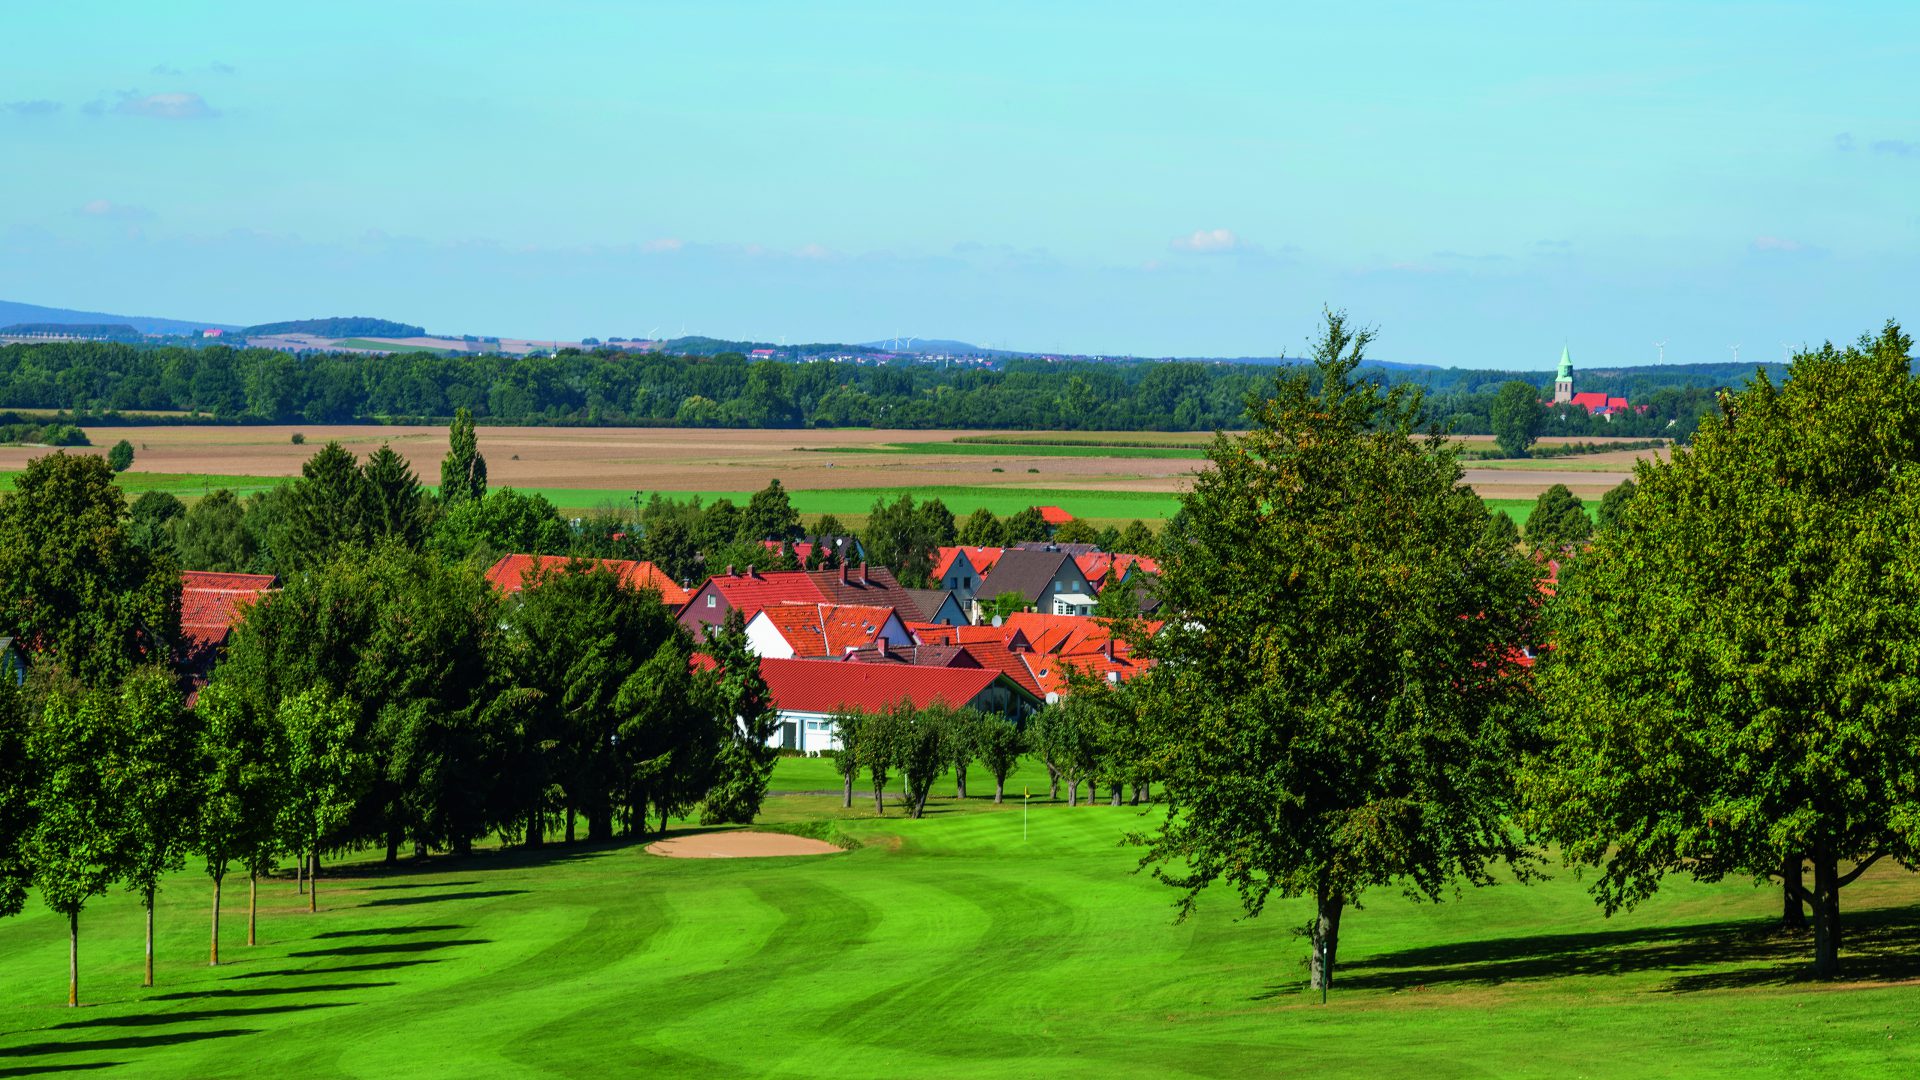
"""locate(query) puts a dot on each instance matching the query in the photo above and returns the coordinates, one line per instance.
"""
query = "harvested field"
(844, 469)
(742, 844)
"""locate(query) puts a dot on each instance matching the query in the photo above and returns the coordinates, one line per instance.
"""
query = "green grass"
(952, 947)
(184, 485)
(962, 500)
(1186, 439)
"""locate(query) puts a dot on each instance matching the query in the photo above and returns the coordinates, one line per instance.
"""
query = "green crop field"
(953, 946)
(384, 346)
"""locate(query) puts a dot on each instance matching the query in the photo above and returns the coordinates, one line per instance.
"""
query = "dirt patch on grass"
(739, 845)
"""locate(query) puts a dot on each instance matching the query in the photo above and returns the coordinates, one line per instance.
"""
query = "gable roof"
(510, 573)
(825, 686)
(996, 654)
(826, 629)
(1053, 515)
(926, 603)
(980, 558)
(211, 604)
(1096, 564)
(863, 584)
(1025, 571)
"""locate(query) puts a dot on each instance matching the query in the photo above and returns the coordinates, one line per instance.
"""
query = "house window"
(712, 601)
(966, 582)
(1057, 587)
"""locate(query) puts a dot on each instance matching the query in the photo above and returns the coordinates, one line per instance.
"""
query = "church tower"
(1563, 382)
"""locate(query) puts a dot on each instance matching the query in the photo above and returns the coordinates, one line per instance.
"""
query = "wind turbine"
(1736, 351)
(1786, 353)
(1662, 346)
(653, 334)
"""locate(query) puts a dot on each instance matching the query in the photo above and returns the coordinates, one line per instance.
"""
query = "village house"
(211, 605)
(1046, 580)
(756, 590)
(960, 570)
(938, 606)
(823, 631)
(807, 694)
(512, 573)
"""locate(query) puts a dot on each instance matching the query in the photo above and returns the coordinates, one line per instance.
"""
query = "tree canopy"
(1340, 707)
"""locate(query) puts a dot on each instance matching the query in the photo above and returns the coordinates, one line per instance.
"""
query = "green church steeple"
(1566, 364)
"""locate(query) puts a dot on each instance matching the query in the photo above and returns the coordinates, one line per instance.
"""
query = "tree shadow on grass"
(265, 991)
(435, 898)
(191, 1016)
(120, 1042)
(421, 885)
(345, 969)
(1879, 944)
(390, 947)
(48, 1070)
(422, 928)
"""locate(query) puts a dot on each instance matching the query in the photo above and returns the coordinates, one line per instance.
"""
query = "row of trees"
(614, 386)
(1728, 691)
(383, 699)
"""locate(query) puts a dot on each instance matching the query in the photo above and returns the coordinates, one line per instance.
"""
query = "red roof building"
(823, 631)
(511, 574)
(1054, 516)
(754, 591)
(829, 686)
(211, 605)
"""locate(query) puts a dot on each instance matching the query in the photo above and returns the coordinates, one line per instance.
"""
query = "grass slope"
(949, 946)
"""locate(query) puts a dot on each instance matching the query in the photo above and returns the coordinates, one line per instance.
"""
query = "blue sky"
(1481, 181)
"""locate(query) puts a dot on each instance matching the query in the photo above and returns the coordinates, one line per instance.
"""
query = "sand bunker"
(738, 845)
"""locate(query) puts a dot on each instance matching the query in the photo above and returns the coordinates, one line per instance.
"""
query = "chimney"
(843, 573)
(729, 569)
(749, 569)
(863, 573)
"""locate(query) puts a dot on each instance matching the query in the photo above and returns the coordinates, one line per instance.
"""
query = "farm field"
(949, 946)
(839, 471)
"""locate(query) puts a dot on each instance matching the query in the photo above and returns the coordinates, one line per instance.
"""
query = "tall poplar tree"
(1338, 707)
(463, 473)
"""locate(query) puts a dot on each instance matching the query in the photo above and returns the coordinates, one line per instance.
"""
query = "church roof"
(1566, 364)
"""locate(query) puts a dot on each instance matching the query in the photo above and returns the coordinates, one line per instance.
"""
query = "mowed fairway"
(949, 946)
(836, 471)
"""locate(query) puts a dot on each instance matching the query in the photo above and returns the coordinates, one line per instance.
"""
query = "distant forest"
(614, 387)
(340, 326)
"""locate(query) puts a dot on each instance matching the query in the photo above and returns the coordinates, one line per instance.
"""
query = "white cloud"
(35, 107)
(177, 105)
(1777, 243)
(811, 251)
(664, 243)
(1207, 240)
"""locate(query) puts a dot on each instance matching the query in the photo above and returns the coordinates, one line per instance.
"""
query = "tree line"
(382, 697)
(1368, 686)
(616, 386)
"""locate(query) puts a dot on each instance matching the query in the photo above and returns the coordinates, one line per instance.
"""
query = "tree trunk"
(879, 799)
(393, 849)
(999, 789)
(213, 943)
(1826, 916)
(1115, 800)
(300, 874)
(1073, 793)
(1053, 782)
(253, 896)
(149, 975)
(1326, 937)
(535, 834)
(313, 881)
(663, 821)
(1793, 882)
(73, 959)
(960, 782)
(1140, 795)
(569, 823)
(419, 850)
(599, 824)
(846, 793)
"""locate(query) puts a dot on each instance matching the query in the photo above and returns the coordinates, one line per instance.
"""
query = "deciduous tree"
(243, 757)
(78, 844)
(1559, 520)
(1517, 417)
(156, 776)
(463, 472)
(1735, 662)
(1339, 707)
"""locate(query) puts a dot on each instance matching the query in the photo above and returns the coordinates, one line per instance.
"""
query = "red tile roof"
(510, 573)
(212, 603)
(1096, 564)
(996, 654)
(1053, 515)
(982, 558)
(827, 629)
(824, 686)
